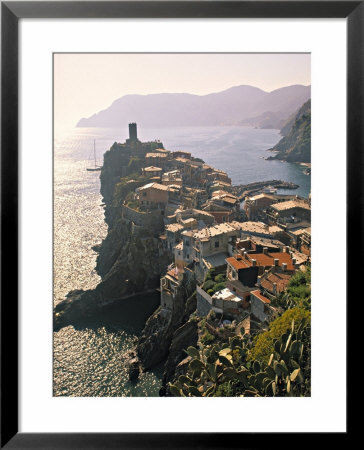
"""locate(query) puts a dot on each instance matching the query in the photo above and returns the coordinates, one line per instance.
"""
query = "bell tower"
(133, 136)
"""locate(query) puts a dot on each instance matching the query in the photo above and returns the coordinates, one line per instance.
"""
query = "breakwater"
(244, 190)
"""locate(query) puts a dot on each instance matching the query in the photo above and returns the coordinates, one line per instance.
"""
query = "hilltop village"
(218, 254)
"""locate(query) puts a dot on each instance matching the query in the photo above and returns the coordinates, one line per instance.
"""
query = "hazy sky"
(87, 83)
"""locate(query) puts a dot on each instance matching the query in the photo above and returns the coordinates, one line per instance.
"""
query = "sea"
(89, 358)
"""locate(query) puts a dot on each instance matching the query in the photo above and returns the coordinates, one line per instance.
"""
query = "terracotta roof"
(262, 259)
(237, 263)
(281, 279)
(260, 296)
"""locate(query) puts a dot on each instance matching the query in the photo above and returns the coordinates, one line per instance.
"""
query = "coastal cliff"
(295, 146)
(126, 246)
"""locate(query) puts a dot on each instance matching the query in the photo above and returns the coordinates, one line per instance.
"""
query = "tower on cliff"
(133, 135)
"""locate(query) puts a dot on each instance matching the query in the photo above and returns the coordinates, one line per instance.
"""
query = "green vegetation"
(298, 292)
(209, 284)
(127, 185)
(264, 342)
(299, 289)
(223, 370)
(220, 278)
(207, 338)
(214, 282)
(134, 163)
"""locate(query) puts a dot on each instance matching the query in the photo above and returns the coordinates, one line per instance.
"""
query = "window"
(217, 244)
(188, 256)
(144, 194)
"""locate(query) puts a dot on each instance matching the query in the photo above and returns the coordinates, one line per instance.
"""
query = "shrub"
(209, 284)
(264, 342)
(209, 275)
(220, 278)
(219, 287)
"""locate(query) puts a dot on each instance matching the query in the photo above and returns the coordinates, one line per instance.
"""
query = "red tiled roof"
(281, 279)
(237, 263)
(262, 259)
(260, 296)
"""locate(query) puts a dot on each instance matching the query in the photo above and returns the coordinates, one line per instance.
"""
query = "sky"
(87, 83)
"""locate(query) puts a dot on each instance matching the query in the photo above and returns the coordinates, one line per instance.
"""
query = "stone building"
(255, 205)
(152, 171)
(289, 211)
(260, 305)
(172, 178)
(153, 195)
(157, 159)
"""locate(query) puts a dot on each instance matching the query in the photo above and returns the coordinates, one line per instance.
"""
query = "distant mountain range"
(295, 146)
(239, 105)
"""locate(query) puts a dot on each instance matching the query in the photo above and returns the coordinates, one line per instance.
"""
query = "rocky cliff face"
(184, 337)
(156, 338)
(167, 334)
(295, 146)
(130, 259)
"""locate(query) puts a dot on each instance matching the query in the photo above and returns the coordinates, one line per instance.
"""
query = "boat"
(269, 190)
(96, 167)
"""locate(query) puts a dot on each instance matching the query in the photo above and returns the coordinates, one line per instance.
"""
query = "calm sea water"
(90, 360)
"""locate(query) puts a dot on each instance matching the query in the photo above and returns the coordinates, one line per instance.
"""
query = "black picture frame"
(11, 12)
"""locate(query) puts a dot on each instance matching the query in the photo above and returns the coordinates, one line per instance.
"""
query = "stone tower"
(133, 132)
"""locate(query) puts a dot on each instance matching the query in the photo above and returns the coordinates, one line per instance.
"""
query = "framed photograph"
(159, 165)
